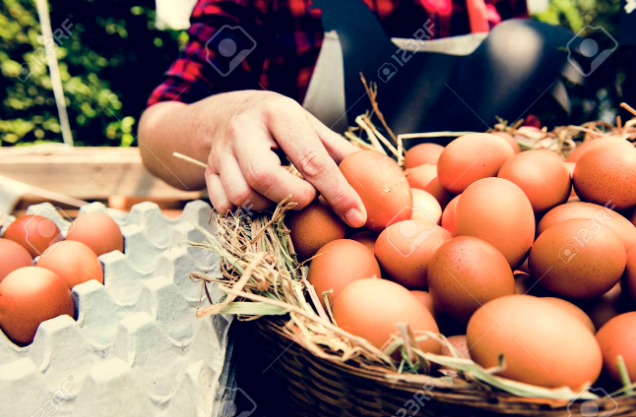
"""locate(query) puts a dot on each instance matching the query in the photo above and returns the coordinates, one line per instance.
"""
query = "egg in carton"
(136, 347)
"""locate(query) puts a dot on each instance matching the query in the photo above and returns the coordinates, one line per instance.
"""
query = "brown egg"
(367, 238)
(12, 257)
(313, 227)
(460, 344)
(421, 176)
(97, 231)
(465, 273)
(604, 308)
(470, 158)
(607, 175)
(497, 211)
(542, 344)
(424, 153)
(424, 297)
(382, 186)
(448, 216)
(29, 296)
(629, 277)
(425, 207)
(405, 249)
(572, 309)
(72, 261)
(373, 308)
(511, 141)
(541, 175)
(577, 259)
(35, 233)
(440, 193)
(618, 337)
(339, 263)
(601, 215)
(583, 147)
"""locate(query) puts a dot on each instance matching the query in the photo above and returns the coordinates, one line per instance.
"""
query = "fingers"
(296, 136)
(248, 171)
(337, 146)
(216, 193)
(236, 188)
(262, 170)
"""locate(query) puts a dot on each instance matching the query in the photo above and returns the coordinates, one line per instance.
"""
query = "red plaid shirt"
(289, 36)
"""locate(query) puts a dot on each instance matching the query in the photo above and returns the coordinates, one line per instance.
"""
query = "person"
(239, 119)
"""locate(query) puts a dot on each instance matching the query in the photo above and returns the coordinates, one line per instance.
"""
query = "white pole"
(56, 80)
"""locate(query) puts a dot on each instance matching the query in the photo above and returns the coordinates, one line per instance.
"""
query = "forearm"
(235, 134)
(188, 129)
(173, 127)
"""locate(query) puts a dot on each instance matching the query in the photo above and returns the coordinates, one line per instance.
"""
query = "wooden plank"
(87, 173)
(169, 208)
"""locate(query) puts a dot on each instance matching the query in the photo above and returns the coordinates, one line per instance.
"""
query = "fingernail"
(355, 218)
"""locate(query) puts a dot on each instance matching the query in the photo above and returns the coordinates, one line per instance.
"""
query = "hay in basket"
(330, 372)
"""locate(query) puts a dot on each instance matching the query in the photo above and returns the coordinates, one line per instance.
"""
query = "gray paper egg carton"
(136, 348)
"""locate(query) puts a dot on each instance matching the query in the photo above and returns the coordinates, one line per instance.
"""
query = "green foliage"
(110, 61)
(575, 14)
(609, 85)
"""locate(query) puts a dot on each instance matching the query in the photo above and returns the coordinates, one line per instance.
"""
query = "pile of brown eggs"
(520, 254)
(32, 294)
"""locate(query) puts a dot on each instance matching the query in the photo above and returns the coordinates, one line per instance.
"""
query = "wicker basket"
(318, 387)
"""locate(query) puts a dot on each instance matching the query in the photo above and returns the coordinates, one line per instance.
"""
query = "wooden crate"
(114, 175)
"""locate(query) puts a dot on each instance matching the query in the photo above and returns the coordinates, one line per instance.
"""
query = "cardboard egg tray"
(135, 347)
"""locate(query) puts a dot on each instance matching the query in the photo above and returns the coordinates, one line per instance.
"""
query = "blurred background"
(115, 55)
(109, 65)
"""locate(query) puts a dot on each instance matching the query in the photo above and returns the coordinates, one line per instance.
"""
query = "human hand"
(244, 169)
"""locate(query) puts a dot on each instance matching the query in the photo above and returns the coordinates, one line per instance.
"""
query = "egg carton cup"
(136, 347)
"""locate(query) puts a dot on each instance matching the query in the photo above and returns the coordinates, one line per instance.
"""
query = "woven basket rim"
(474, 394)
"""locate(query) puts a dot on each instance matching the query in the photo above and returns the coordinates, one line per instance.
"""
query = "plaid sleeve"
(506, 9)
(225, 51)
